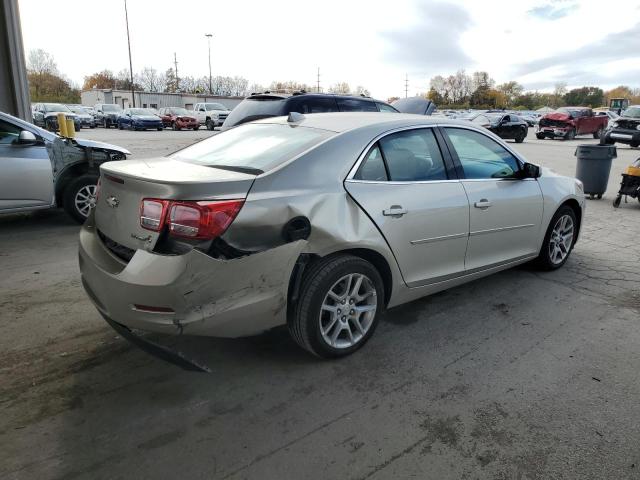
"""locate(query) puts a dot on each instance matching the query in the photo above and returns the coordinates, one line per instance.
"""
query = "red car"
(178, 118)
(567, 122)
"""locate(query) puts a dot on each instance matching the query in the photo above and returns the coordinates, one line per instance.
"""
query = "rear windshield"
(255, 148)
(111, 108)
(254, 109)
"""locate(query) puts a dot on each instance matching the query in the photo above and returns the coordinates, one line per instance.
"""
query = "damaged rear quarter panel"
(238, 297)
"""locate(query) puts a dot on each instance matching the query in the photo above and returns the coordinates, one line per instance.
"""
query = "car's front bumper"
(553, 132)
(623, 135)
(225, 298)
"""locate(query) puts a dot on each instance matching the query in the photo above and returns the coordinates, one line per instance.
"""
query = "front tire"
(340, 302)
(540, 136)
(79, 196)
(559, 239)
(571, 134)
(209, 124)
(521, 136)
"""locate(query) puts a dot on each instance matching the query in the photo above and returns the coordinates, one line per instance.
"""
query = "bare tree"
(150, 80)
(340, 87)
(559, 91)
(360, 90)
(41, 62)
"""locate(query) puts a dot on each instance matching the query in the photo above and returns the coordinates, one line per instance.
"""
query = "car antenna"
(295, 117)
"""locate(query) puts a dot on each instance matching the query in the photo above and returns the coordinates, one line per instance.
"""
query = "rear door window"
(386, 108)
(407, 156)
(356, 105)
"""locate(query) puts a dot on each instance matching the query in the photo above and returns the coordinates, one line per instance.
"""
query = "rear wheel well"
(306, 261)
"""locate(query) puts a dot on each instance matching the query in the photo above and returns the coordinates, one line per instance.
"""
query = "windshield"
(111, 108)
(256, 147)
(56, 107)
(481, 119)
(179, 111)
(138, 111)
(77, 110)
(571, 112)
(214, 106)
(633, 112)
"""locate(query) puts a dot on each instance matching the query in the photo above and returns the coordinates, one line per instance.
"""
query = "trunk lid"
(125, 183)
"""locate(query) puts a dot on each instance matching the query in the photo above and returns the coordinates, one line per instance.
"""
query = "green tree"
(585, 96)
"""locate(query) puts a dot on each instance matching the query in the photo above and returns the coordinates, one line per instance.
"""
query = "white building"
(153, 100)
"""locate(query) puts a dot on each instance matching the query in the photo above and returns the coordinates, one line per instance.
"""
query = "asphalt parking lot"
(520, 375)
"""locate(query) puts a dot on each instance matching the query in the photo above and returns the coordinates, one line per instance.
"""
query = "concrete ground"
(521, 375)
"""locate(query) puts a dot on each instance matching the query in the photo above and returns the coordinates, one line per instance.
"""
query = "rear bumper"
(622, 135)
(224, 298)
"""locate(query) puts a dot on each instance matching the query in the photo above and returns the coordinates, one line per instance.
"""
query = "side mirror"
(27, 138)
(529, 170)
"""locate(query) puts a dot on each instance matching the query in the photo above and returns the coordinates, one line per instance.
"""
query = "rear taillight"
(153, 213)
(187, 219)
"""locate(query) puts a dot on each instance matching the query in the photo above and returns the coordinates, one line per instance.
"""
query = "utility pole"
(406, 85)
(318, 81)
(126, 17)
(209, 35)
(175, 62)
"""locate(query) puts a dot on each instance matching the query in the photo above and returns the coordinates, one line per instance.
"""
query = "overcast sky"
(369, 43)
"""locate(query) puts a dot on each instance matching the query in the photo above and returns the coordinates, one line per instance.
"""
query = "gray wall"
(14, 89)
(157, 100)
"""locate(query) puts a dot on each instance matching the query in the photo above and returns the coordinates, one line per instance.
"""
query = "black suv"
(267, 104)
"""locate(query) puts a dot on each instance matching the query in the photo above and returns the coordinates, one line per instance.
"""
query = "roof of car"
(276, 94)
(344, 121)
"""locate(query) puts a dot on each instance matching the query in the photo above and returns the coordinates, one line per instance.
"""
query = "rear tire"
(540, 136)
(521, 136)
(79, 196)
(340, 303)
(557, 245)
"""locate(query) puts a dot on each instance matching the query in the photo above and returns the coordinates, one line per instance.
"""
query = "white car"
(210, 114)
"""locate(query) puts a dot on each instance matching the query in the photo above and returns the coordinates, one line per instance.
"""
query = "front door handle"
(394, 211)
(483, 204)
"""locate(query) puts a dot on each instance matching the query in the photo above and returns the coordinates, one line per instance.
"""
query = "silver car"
(319, 222)
(39, 169)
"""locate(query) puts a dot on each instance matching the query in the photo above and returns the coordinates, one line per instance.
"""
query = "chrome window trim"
(487, 134)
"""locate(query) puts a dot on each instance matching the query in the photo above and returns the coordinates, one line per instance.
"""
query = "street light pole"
(126, 17)
(209, 35)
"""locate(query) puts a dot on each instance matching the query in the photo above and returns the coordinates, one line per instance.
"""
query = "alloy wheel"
(85, 199)
(348, 310)
(561, 239)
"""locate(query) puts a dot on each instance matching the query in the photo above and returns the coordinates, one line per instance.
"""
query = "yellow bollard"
(71, 128)
(62, 124)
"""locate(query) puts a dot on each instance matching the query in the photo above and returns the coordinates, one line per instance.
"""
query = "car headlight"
(638, 127)
(615, 124)
(579, 185)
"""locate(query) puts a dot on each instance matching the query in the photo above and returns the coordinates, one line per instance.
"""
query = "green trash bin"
(594, 166)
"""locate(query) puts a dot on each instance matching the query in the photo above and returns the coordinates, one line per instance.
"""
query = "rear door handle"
(394, 211)
(483, 204)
